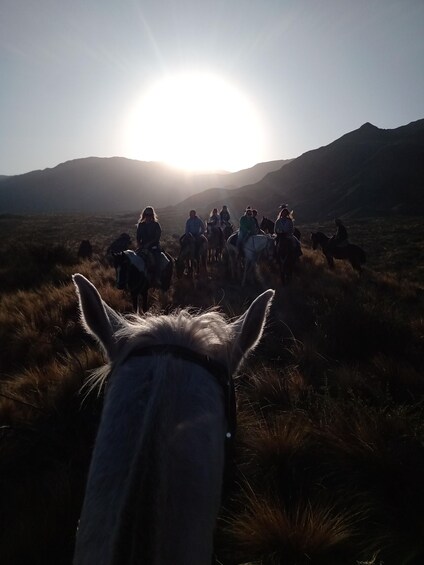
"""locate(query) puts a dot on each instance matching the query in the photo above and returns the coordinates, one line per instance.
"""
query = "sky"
(205, 84)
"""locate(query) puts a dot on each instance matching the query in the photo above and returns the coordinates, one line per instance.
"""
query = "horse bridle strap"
(216, 369)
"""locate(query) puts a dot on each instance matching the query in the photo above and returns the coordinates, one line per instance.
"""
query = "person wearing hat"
(246, 229)
(148, 237)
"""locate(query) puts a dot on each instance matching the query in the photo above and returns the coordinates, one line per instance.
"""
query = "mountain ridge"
(366, 172)
(113, 184)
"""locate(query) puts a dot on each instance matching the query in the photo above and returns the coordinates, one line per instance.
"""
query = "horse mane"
(207, 333)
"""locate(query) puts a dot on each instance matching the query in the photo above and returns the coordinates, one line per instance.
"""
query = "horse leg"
(243, 282)
(136, 304)
(203, 264)
(134, 299)
(245, 270)
(330, 260)
(355, 264)
(283, 270)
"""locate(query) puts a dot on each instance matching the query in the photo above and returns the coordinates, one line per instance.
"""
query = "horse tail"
(362, 255)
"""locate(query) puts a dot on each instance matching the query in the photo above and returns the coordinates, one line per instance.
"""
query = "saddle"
(137, 259)
(155, 263)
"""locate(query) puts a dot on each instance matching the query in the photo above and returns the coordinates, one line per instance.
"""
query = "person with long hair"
(214, 219)
(340, 238)
(148, 238)
(284, 226)
(225, 216)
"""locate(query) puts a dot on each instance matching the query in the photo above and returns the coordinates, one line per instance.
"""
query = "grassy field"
(330, 446)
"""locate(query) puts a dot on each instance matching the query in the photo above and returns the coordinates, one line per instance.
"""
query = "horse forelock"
(208, 334)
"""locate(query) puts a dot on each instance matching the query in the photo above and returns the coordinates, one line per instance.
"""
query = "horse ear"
(249, 327)
(98, 318)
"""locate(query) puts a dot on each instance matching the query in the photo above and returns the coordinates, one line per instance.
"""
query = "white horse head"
(155, 479)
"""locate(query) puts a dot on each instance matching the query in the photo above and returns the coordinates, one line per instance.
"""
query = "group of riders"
(149, 232)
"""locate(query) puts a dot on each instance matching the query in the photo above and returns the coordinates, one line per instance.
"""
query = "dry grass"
(329, 454)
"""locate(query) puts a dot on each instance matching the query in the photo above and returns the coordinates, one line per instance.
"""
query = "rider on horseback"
(148, 236)
(255, 219)
(246, 229)
(284, 228)
(195, 228)
(214, 219)
(340, 238)
(225, 216)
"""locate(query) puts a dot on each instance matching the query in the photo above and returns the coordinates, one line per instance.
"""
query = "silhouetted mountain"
(112, 185)
(367, 172)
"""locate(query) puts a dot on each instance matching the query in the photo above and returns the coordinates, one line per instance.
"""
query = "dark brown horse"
(216, 242)
(227, 230)
(132, 274)
(352, 253)
(287, 254)
(192, 257)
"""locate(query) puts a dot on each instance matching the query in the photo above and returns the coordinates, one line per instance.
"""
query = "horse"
(192, 255)
(132, 273)
(268, 226)
(253, 248)
(215, 238)
(287, 253)
(156, 475)
(352, 253)
(122, 243)
(85, 250)
(227, 230)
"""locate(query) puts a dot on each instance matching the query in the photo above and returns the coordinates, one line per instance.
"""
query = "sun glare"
(195, 121)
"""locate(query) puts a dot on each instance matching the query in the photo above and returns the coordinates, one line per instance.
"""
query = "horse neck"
(136, 278)
(254, 246)
(269, 225)
(187, 250)
(135, 496)
(322, 238)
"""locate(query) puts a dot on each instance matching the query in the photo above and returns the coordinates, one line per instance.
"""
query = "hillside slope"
(114, 184)
(367, 172)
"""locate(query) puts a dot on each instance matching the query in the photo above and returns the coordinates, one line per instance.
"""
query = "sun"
(195, 121)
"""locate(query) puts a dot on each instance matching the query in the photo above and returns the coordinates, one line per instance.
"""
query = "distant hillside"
(367, 172)
(114, 184)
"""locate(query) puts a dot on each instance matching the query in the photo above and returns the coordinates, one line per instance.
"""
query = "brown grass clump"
(312, 532)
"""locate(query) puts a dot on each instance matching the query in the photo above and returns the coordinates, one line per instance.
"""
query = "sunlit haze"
(195, 121)
(202, 83)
